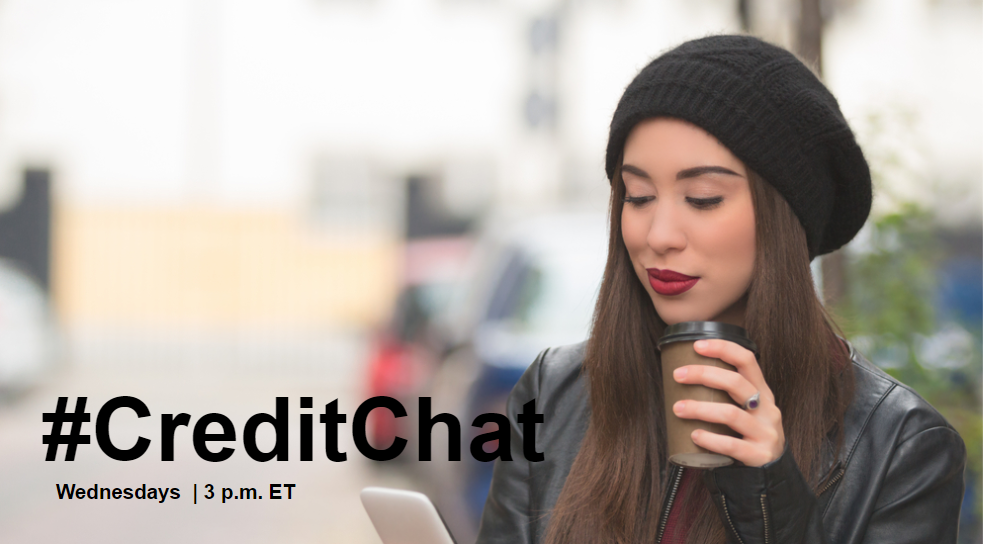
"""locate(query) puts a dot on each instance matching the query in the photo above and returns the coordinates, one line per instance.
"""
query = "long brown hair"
(617, 482)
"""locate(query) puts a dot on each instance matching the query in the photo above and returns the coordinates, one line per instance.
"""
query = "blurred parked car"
(405, 352)
(533, 284)
(27, 339)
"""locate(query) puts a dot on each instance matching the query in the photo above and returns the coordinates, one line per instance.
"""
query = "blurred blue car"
(533, 285)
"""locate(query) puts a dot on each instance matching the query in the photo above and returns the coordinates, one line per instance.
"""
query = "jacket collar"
(867, 393)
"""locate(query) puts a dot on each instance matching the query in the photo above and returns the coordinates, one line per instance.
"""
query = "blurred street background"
(207, 204)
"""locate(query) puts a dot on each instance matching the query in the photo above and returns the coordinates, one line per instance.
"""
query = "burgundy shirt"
(676, 526)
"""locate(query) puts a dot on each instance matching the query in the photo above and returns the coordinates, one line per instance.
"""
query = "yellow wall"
(203, 267)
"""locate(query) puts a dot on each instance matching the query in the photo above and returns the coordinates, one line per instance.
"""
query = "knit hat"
(771, 112)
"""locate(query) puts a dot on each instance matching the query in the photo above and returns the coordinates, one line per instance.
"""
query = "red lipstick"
(669, 282)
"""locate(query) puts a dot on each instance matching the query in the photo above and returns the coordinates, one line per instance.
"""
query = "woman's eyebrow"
(635, 170)
(700, 170)
(688, 173)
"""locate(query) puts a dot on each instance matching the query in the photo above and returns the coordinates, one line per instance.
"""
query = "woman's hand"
(761, 427)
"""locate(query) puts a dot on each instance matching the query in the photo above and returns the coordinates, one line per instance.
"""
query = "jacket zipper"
(668, 507)
(829, 483)
(723, 502)
(764, 514)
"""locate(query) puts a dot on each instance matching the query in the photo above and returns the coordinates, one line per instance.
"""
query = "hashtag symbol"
(75, 437)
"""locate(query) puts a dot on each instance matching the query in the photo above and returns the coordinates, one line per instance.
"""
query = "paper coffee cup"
(677, 350)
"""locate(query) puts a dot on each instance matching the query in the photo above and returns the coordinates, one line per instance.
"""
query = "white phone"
(405, 517)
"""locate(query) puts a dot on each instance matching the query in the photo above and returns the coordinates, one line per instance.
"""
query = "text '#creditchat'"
(500, 438)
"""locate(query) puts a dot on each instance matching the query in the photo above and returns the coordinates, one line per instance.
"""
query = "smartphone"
(405, 517)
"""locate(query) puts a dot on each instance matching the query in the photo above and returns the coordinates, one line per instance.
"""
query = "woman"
(731, 168)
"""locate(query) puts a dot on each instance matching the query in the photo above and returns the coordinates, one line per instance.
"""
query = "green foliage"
(891, 287)
(888, 314)
(891, 276)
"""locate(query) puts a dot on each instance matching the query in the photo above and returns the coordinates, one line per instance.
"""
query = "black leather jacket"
(898, 478)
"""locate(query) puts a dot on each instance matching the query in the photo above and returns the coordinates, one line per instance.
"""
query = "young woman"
(731, 168)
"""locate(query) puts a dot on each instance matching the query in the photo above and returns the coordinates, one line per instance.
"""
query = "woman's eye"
(637, 201)
(705, 203)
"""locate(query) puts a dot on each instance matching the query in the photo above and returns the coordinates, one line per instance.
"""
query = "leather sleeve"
(772, 503)
(505, 518)
(918, 501)
(923, 491)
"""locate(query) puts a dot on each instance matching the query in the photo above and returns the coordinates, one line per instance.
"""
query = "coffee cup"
(676, 346)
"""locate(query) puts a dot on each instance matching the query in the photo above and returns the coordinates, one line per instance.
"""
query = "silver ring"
(752, 403)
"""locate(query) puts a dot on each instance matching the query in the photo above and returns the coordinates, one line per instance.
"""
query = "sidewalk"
(235, 379)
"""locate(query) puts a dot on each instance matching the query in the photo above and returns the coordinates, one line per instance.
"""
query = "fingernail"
(678, 407)
(695, 435)
(680, 373)
(700, 344)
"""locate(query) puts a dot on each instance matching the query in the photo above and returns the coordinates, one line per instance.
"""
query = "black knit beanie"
(772, 112)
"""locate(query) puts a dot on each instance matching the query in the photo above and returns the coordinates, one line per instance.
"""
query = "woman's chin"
(671, 318)
(679, 311)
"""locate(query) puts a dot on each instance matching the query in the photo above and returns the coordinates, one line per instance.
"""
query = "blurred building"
(226, 164)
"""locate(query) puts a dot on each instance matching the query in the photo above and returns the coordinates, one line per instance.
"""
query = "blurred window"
(350, 194)
(551, 292)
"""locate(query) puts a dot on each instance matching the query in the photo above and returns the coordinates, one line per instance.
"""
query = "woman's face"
(688, 221)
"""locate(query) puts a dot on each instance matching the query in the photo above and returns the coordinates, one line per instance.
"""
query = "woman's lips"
(669, 282)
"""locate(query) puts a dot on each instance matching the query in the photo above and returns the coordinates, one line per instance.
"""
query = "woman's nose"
(666, 232)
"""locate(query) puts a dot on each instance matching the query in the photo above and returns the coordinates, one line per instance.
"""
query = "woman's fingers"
(763, 438)
(751, 454)
(736, 385)
(727, 414)
(740, 358)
